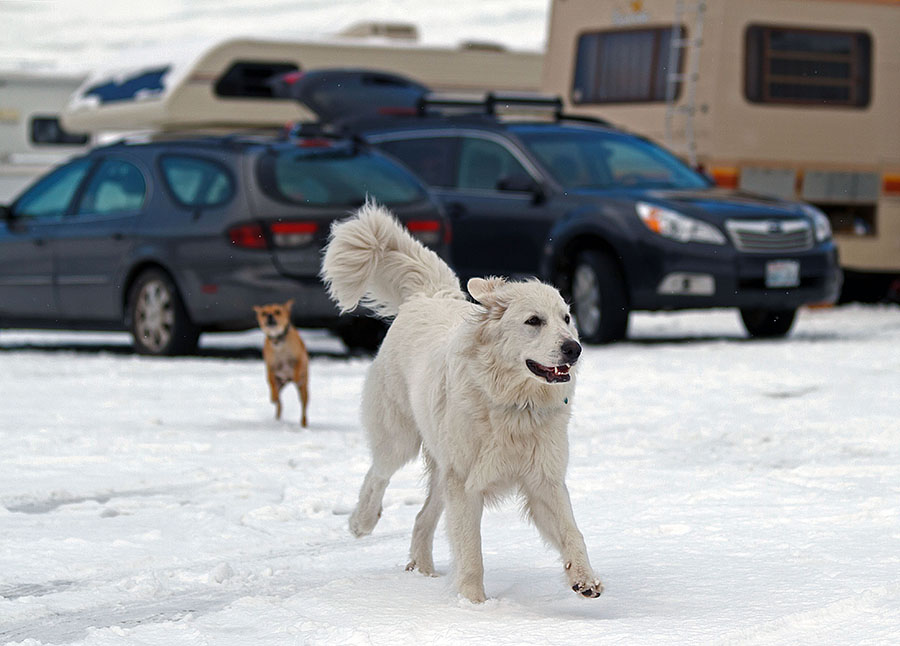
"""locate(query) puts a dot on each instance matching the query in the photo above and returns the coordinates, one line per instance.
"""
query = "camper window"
(807, 67)
(48, 130)
(625, 66)
(250, 79)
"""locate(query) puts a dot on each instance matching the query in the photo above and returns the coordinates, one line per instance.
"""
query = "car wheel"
(768, 324)
(159, 322)
(599, 301)
(362, 335)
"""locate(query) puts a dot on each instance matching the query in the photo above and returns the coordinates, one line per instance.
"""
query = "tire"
(362, 335)
(599, 299)
(768, 324)
(158, 320)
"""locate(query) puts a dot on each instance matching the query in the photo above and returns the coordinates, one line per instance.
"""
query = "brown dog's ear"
(257, 309)
(484, 291)
(288, 304)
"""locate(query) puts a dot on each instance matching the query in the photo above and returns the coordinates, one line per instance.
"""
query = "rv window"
(250, 79)
(196, 182)
(627, 66)
(807, 67)
(48, 130)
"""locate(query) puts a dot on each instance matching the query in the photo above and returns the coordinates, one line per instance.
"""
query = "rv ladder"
(679, 48)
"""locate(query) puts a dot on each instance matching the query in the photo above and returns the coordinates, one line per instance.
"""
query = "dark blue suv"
(175, 237)
(614, 220)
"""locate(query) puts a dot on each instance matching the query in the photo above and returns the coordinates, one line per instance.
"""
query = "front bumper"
(702, 276)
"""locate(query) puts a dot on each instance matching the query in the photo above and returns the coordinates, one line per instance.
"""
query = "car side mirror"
(521, 183)
(5, 213)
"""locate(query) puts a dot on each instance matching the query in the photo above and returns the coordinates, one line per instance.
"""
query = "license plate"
(782, 273)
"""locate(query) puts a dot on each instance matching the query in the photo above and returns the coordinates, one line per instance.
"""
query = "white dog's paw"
(473, 593)
(583, 580)
(362, 524)
(423, 567)
(590, 589)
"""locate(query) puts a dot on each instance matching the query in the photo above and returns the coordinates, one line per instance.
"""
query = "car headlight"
(677, 226)
(821, 223)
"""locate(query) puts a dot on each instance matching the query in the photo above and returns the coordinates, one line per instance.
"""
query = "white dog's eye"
(535, 320)
(566, 319)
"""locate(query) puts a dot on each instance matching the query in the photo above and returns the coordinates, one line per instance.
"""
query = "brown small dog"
(284, 353)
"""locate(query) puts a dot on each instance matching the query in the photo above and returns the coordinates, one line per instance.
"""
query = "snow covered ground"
(730, 492)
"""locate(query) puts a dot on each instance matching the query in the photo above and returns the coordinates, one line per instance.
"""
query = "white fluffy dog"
(485, 389)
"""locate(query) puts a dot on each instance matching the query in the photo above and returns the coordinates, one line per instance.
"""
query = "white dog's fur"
(451, 377)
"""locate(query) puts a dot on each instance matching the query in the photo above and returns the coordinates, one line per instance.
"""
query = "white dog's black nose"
(571, 350)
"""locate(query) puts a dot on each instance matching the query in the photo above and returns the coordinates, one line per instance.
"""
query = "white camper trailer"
(795, 98)
(31, 138)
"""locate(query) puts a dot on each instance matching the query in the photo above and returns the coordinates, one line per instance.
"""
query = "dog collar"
(279, 339)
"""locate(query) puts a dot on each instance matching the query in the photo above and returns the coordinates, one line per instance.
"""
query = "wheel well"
(565, 260)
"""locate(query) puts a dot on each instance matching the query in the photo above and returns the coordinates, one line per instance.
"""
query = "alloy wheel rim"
(154, 315)
(586, 299)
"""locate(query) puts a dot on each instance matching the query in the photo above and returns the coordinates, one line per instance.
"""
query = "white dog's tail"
(372, 259)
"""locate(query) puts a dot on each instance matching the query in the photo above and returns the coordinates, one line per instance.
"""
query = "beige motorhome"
(223, 85)
(31, 138)
(793, 98)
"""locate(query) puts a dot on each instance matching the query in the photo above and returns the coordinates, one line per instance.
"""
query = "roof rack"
(488, 103)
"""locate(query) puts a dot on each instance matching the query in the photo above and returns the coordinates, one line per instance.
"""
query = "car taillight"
(292, 234)
(425, 231)
(248, 236)
(259, 235)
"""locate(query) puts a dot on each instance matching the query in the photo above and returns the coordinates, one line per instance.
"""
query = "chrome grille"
(770, 236)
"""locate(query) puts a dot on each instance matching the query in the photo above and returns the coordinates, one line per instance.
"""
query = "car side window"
(50, 198)
(116, 186)
(483, 163)
(196, 182)
(431, 158)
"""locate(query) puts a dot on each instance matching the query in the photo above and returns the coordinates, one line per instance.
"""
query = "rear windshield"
(596, 159)
(336, 178)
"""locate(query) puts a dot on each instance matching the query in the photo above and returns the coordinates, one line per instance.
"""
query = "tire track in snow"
(59, 627)
(827, 625)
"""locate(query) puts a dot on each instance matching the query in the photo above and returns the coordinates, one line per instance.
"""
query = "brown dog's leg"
(304, 398)
(275, 392)
(301, 378)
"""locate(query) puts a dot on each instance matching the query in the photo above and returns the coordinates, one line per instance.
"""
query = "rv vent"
(250, 79)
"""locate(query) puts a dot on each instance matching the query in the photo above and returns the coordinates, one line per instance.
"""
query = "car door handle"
(39, 242)
(118, 236)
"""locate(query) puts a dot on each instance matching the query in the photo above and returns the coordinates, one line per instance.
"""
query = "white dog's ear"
(484, 290)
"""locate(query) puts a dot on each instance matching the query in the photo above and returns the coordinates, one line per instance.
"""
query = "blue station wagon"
(172, 238)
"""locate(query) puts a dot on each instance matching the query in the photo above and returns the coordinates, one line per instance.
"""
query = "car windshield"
(594, 159)
(336, 178)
